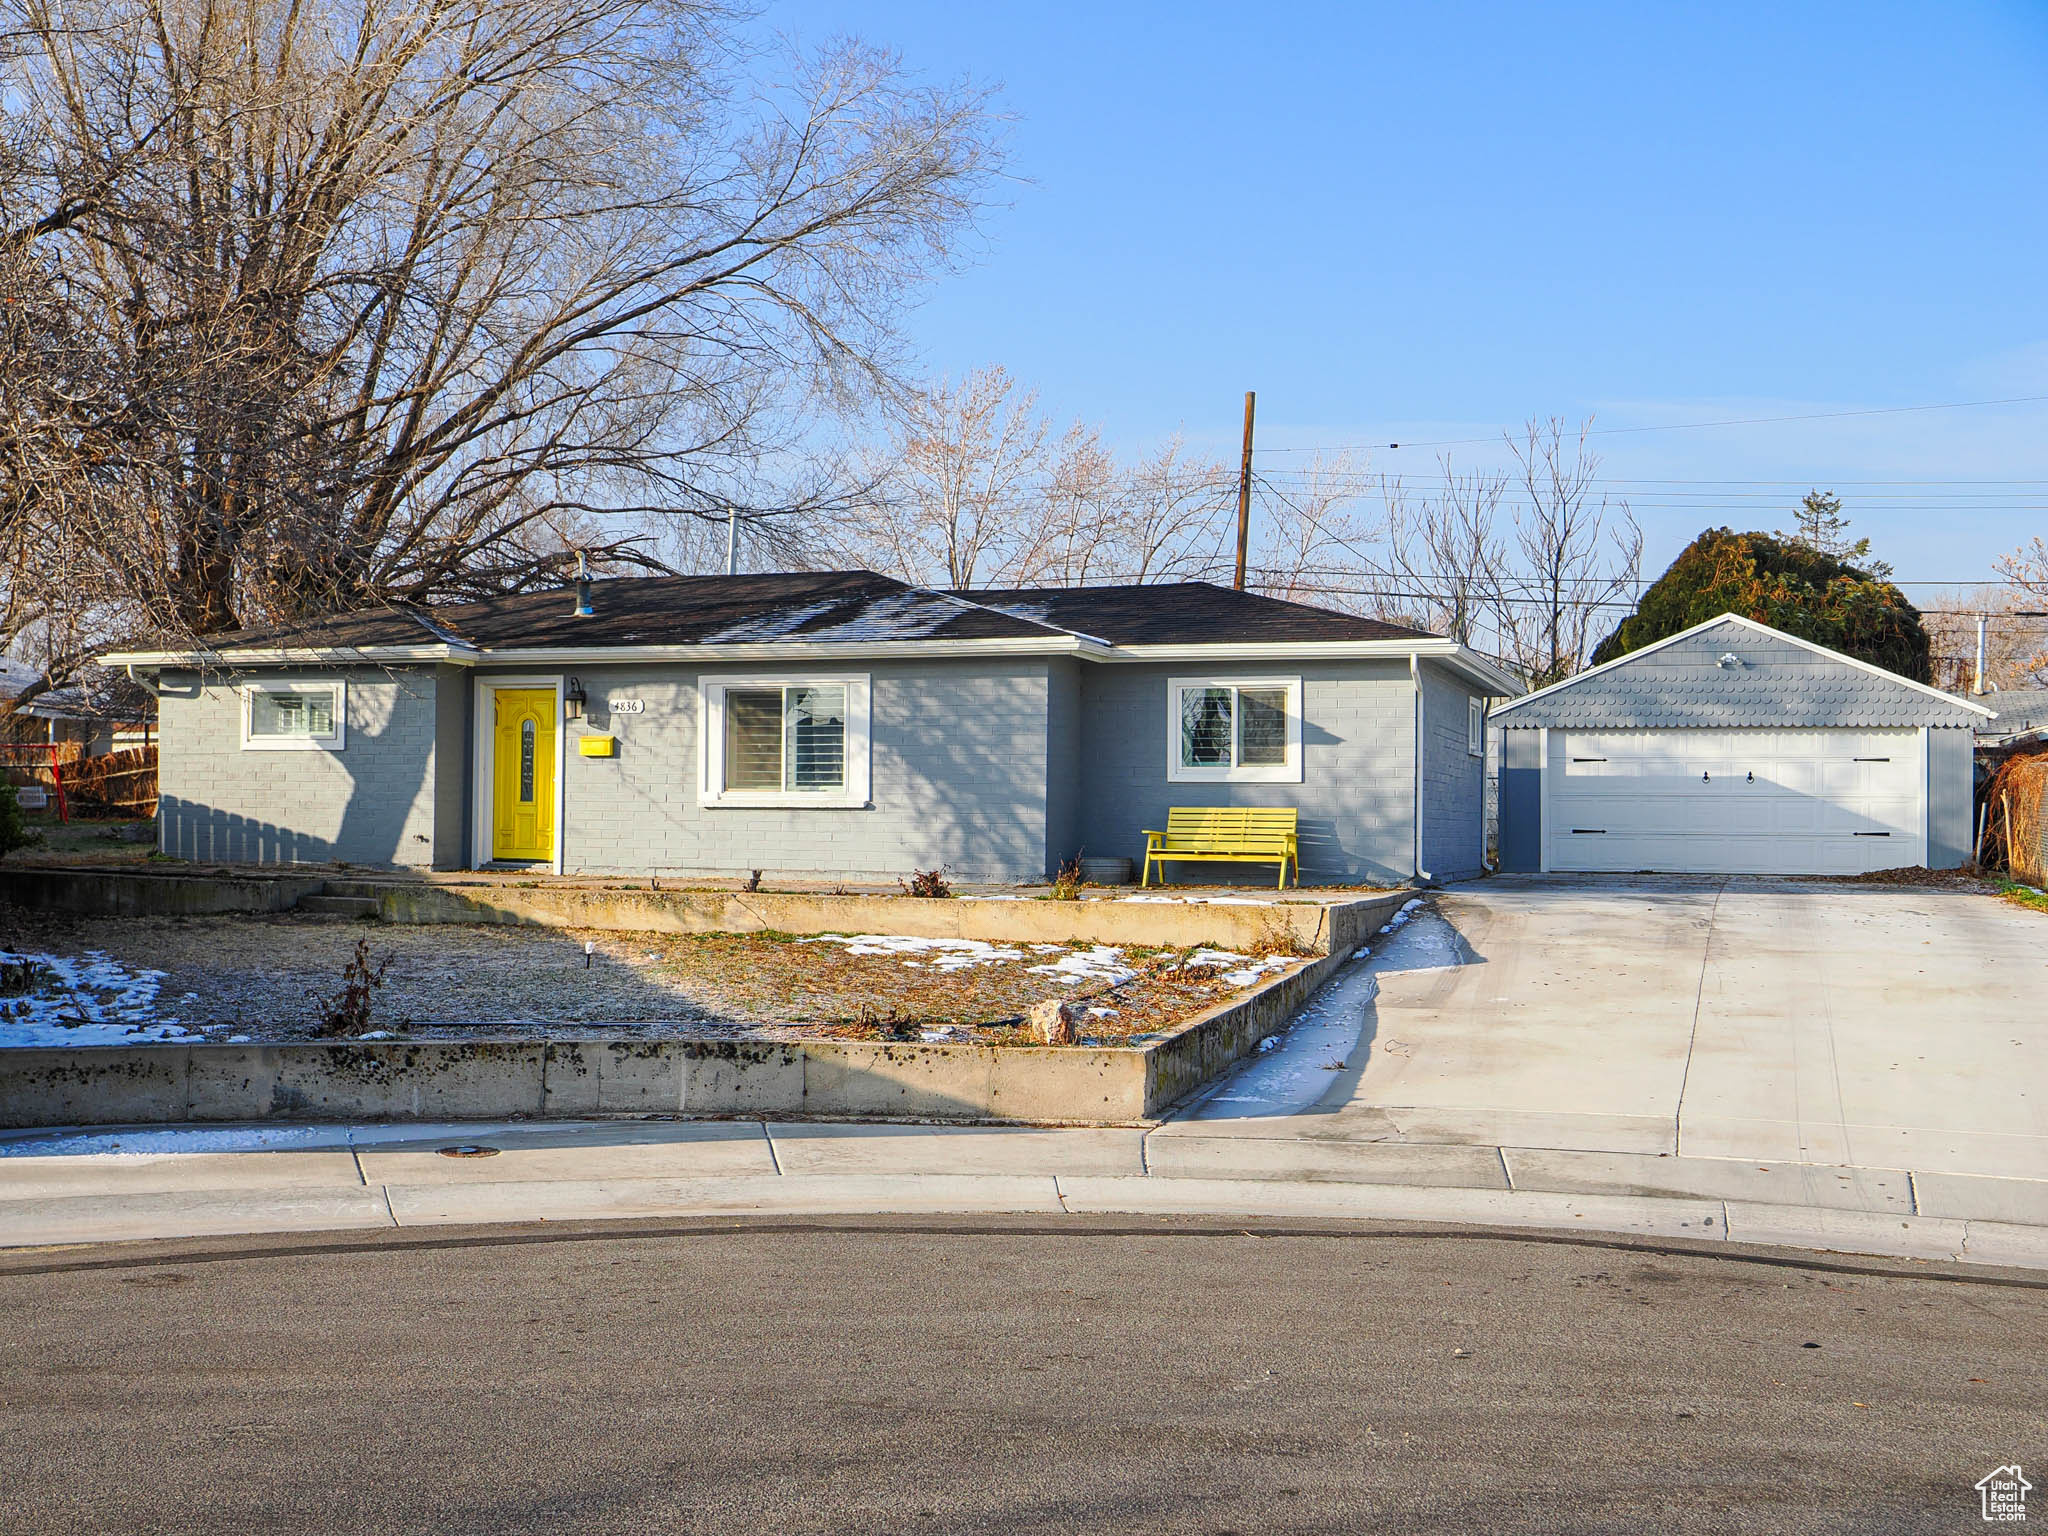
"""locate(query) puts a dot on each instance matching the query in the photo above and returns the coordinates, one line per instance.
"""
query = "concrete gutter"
(501, 1078)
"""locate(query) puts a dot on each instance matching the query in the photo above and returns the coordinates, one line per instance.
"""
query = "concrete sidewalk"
(104, 1187)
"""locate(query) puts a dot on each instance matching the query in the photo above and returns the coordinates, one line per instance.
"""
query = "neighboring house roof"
(1775, 679)
(103, 697)
(828, 612)
(2021, 712)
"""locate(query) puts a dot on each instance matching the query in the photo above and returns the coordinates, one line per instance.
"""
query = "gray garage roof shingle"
(1776, 680)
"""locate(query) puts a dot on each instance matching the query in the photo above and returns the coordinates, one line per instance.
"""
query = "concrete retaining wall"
(121, 893)
(497, 1079)
(1304, 925)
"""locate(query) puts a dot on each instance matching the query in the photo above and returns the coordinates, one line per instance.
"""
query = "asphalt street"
(996, 1375)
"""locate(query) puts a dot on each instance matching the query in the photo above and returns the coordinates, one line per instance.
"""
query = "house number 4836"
(627, 706)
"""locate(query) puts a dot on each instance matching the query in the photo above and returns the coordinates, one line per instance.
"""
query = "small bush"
(1066, 881)
(927, 882)
(348, 1011)
(753, 881)
(23, 977)
(14, 832)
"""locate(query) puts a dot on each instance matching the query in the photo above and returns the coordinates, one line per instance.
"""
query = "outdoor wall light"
(573, 699)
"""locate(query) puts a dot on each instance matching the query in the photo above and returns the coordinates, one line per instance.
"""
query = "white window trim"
(333, 742)
(1475, 728)
(853, 795)
(1288, 772)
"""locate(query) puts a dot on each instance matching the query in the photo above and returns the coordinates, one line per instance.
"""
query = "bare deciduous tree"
(312, 303)
(1446, 554)
(1581, 553)
(2015, 646)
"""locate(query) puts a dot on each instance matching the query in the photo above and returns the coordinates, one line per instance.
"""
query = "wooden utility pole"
(1244, 490)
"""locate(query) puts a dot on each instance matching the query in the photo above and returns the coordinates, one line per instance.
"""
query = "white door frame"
(483, 778)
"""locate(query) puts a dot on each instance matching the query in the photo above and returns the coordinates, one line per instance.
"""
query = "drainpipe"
(1978, 686)
(1415, 676)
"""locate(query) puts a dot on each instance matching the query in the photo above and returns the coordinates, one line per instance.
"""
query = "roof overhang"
(1487, 675)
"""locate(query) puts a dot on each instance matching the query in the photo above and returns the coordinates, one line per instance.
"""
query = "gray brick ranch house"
(824, 724)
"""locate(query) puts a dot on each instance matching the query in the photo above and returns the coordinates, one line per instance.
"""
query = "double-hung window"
(294, 715)
(785, 741)
(1233, 730)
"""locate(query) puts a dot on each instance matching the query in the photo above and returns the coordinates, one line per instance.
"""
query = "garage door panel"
(1728, 801)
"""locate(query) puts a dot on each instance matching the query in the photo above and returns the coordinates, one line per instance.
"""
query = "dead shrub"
(23, 977)
(348, 1011)
(2016, 818)
(1066, 881)
(929, 883)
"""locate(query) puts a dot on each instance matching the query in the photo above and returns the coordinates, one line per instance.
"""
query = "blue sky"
(1426, 222)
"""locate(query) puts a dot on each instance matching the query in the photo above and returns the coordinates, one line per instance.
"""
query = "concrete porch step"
(324, 905)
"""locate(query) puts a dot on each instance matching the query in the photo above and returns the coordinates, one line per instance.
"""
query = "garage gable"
(1734, 672)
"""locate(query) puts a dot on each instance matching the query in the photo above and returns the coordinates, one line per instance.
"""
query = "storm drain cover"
(469, 1149)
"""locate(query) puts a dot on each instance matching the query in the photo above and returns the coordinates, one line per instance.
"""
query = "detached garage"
(1733, 748)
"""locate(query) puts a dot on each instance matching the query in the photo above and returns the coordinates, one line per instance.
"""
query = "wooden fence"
(117, 783)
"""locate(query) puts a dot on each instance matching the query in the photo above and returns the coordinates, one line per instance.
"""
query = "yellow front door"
(523, 774)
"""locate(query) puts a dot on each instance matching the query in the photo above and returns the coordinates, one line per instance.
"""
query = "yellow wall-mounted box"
(597, 746)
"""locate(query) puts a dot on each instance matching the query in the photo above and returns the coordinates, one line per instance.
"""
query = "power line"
(1691, 426)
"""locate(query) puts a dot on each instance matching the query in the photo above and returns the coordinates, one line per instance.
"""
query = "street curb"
(99, 1218)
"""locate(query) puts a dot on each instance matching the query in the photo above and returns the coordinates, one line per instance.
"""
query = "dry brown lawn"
(265, 977)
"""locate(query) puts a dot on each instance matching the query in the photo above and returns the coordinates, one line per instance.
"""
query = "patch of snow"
(945, 954)
(1101, 963)
(238, 1039)
(156, 1144)
(86, 1000)
(893, 616)
(1242, 969)
(769, 626)
(1407, 911)
(1270, 1043)
(378, 1034)
(1104, 1013)
(988, 898)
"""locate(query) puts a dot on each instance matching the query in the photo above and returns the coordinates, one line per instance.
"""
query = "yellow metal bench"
(1223, 835)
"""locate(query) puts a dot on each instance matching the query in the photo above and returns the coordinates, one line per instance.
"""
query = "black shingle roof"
(843, 606)
(1183, 613)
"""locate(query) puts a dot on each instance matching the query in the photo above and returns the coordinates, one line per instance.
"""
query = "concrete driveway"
(1626, 1019)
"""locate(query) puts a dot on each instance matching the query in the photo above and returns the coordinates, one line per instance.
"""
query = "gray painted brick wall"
(1357, 804)
(372, 802)
(958, 781)
(1063, 762)
(1454, 781)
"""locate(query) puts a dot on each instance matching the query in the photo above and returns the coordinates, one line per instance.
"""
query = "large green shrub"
(1787, 584)
(14, 833)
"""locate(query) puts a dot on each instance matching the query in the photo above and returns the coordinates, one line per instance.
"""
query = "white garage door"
(1794, 802)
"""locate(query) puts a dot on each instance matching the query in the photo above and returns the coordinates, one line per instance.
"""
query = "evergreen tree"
(1823, 529)
(1788, 584)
